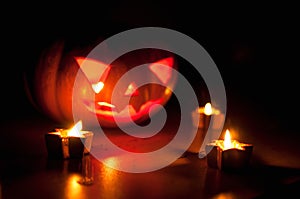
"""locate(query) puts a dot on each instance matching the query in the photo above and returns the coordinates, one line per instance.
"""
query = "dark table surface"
(188, 177)
(27, 172)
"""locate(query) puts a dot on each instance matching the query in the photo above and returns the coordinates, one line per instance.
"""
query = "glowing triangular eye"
(98, 87)
(131, 90)
(93, 69)
(163, 69)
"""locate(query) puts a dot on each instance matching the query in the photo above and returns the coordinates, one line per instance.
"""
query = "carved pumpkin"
(52, 86)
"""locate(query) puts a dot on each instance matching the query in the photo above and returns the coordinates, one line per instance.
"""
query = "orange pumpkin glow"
(56, 71)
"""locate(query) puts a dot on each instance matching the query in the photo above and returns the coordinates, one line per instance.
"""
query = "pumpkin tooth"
(105, 106)
(99, 106)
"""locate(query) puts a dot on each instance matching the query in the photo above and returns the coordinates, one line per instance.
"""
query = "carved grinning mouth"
(162, 70)
(110, 110)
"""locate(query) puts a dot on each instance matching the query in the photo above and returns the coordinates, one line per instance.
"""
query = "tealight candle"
(228, 154)
(201, 118)
(69, 143)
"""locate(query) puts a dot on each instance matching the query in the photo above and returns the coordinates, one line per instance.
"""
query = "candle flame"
(207, 109)
(228, 143)
(227, 140)
(75, 130)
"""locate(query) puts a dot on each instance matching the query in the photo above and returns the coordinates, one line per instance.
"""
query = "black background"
(254, 46)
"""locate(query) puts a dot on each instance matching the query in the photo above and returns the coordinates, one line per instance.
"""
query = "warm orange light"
(93, 68)
(168, 91)
(131, 90)
(72, 188)
(207, 109)
(163, 69)
(111, 162)
(227, 140)
(75, 130)
(110, 178)
(106, 104)
(97, 87)
(229, 143)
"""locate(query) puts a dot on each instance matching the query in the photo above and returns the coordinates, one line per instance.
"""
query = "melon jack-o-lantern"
(53, 91)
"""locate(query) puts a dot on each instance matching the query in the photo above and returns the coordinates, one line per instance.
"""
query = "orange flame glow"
(207, 109)
(97, 87)
(131, 90)
(72, 188)
(75, 130)
(163, 69)
(111, 178)
(227, 140)
(228, 143)
(93, 69)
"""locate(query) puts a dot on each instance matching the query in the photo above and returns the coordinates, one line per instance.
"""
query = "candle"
(69, 143)
(201, 117)
(228, 154)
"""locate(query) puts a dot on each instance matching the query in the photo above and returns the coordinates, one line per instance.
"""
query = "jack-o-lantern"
(52, 88)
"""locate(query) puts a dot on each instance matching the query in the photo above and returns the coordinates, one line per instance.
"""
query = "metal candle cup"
(202, 117)
(236, 157)
(63, 144)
